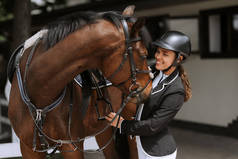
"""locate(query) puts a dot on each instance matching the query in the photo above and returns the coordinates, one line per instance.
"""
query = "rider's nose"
(157, 55)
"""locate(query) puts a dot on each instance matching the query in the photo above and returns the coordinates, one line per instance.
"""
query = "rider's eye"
(165, 54)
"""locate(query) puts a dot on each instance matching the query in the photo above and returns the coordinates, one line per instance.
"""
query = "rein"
(38, 115)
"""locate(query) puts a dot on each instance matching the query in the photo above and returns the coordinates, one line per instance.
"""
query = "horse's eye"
(143, 56)
(144, 53)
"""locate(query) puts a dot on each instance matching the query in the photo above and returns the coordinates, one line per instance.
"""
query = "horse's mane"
(62, 27)
(65, 25)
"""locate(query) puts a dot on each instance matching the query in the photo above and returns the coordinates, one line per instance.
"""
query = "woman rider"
(170, 89)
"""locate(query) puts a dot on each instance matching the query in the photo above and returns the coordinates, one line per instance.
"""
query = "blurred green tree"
(6, 9)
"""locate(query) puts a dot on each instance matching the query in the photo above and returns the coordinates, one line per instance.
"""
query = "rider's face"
(164, 58)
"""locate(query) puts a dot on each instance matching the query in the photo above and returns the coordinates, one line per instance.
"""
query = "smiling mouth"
(158, 62)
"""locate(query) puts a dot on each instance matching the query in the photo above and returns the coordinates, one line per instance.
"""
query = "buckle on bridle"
(135, 90)
(38, 114)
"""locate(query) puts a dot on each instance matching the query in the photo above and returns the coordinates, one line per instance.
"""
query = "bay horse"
(43, 79)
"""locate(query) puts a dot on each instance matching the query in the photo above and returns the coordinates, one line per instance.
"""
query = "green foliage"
(2, 38)
(6, 6)
(6, 9)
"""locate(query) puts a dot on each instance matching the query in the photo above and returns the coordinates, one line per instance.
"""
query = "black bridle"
(128, 53)
(38, 115)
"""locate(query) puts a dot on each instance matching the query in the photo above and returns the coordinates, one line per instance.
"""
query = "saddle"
(90, 80)
(11, 67)
(85, 79)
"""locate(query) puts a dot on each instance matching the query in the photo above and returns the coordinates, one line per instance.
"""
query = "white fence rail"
(8, 150)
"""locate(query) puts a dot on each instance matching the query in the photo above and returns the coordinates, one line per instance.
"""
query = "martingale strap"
(39, 113)
(22, 87)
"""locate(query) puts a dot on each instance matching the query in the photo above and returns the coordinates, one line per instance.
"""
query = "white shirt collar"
(160, 77)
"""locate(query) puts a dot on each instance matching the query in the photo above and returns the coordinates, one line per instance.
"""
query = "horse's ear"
(129, 10)
(140, 22)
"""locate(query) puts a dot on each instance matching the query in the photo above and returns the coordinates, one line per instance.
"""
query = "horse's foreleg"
(72, 155)
(28, 153)
(132, 147)
(102, 139)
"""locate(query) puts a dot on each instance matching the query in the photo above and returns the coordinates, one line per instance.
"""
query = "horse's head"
(128, 66)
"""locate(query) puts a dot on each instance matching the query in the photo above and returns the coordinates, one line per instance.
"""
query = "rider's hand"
(110, 116)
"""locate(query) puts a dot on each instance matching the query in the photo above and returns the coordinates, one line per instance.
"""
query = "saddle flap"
(85, 80)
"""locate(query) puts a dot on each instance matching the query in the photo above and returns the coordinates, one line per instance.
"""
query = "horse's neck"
(51, 71)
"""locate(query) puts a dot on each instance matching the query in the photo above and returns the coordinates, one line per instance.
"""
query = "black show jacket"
(163, 104)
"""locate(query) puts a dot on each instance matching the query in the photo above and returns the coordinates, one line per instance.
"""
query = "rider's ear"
(140, 22)
(129, 10)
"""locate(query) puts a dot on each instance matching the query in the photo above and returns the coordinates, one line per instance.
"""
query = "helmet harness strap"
(176, 62)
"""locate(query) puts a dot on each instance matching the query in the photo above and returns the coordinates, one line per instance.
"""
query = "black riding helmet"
(175, 41)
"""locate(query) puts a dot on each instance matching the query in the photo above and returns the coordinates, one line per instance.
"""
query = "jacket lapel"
(165, 82)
